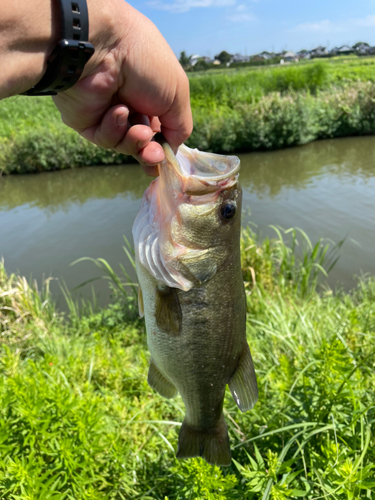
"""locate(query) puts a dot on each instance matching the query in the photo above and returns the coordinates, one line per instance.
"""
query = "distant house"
(345, 50)
(362, 49)
(319, 52)
(290, 57)
(194, 59)
(334, 51)
(256, 58)
(265, 55)
(238, 58)
(217, 62)
(303, 54)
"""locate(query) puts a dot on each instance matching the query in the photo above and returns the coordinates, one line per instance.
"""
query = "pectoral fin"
(198, 265)
(157, 381)
(168, 312)
(141, 307)
(243, 384)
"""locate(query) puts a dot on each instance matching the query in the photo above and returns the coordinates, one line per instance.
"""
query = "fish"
(191, 293)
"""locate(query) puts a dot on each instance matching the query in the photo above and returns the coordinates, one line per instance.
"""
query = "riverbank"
(256, 109)
(78, 418)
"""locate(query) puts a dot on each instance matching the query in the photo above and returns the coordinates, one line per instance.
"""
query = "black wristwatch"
(68, 58)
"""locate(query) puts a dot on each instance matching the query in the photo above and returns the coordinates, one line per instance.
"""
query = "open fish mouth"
(197, 173)
(206, 166)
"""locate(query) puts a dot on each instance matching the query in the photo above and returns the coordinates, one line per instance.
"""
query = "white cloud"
(366, 21)
(327, 26)
(179, 6)
(241, 14)
(324, 26)
(240, 18)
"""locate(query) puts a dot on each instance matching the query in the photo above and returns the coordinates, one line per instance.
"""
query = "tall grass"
(232, 88)
(289, 262)
(78, 420)
(23, 306)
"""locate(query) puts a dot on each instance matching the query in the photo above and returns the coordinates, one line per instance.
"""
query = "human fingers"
(152, 171)
(111, 129)
(155, 124)
(112, 133)
(150, 156)
(137, 142)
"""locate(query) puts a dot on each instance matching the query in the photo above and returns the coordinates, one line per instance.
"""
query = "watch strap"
(67, 60)
(75, 20)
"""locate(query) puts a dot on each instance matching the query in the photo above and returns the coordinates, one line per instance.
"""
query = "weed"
(78, 420)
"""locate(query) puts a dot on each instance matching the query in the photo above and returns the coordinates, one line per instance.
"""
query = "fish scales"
(196, 328)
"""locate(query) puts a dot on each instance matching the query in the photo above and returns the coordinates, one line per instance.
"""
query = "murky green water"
(326, 188)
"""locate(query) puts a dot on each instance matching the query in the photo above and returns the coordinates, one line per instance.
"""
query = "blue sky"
(206, 27)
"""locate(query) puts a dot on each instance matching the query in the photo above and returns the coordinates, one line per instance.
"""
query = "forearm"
(29, 30)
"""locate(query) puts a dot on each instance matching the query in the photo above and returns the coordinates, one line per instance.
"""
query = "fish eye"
(228, 210)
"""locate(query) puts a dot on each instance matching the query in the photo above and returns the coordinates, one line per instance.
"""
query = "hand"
(131, 88)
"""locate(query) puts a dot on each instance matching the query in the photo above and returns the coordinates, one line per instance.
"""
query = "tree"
(184, 59)
(200, 65)
(224, 57)
(360, 43)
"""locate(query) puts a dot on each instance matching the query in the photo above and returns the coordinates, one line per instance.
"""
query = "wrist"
(107, 23)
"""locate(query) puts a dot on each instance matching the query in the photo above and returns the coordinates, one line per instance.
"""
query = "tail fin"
(210, 444)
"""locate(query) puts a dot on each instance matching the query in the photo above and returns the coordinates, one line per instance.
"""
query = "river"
(326, 188)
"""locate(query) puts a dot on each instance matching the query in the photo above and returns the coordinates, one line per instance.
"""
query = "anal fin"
(243, 384)
(157, 381)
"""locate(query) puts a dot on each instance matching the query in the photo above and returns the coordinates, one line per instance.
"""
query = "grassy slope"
(254, 108)
(79, 421)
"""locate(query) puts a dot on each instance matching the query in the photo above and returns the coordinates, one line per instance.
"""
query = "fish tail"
(210, 444)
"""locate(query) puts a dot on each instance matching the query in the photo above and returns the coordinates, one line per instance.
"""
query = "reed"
(289, 262)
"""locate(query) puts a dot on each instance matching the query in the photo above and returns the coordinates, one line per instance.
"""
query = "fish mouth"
(206, 166)
(199, 173)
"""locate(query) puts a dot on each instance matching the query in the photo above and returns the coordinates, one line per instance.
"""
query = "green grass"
(33, 139)
(234, 110)
(78, 420)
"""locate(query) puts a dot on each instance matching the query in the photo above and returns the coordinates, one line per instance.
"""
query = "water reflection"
(268, 173)
(265, 173)
(54, 191)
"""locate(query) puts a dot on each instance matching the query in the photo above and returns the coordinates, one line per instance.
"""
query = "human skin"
(132, 87)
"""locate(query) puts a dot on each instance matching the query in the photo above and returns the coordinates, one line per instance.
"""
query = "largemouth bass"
(187, 246)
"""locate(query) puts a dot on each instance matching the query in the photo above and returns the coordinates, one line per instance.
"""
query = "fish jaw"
(197, 173)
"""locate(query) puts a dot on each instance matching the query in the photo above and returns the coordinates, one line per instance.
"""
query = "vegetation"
(78, 420)
(224, 57)
(234, 110)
